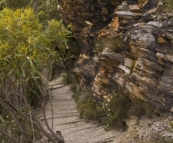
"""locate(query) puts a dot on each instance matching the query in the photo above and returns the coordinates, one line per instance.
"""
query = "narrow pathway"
(66, 118)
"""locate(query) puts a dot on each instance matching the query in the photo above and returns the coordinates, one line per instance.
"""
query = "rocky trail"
(66, 118)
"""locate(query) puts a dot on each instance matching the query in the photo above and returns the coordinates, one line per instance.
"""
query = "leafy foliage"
(14, 4)
(47, 9)
(169, 4)
(25, 45)
(140, 108)
(26, 50)
(111, 112)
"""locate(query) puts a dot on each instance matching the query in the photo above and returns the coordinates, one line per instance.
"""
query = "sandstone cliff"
(127, 46)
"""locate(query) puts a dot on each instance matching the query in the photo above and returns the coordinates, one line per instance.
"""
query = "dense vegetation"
(111, 111)
(27, 53)
(168, 4)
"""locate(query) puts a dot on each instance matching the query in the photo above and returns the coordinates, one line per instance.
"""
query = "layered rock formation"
(126, 46)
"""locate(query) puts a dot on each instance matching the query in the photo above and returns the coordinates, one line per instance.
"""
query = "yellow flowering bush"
(25, 44)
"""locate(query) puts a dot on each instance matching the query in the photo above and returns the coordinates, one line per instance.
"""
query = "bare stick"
(33, 132)
(50, 97)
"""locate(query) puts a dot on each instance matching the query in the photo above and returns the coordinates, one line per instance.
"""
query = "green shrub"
(70, 78)
(47, 9)
(70, 56)
(78, 92)
(139, 108)
(26, 49)
(87, 109)
(116, 108)
(14, 4)
(8, 124)
(168, 4)
(112, 112)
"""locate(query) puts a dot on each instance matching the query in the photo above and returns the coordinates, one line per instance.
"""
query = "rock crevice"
(139, 63)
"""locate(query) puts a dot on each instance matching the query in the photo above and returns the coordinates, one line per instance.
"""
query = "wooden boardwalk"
(66, 118)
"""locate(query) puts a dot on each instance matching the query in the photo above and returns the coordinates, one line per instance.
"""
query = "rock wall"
(127, 46)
